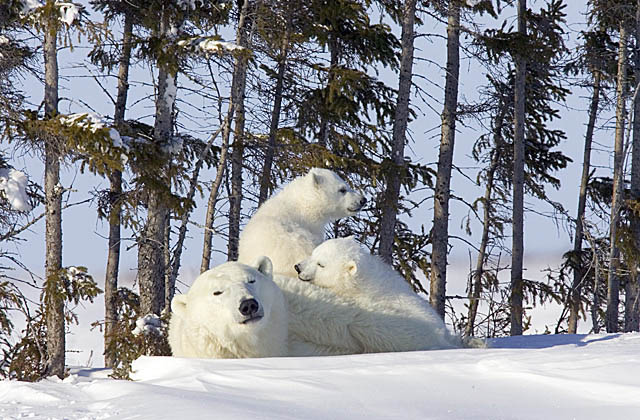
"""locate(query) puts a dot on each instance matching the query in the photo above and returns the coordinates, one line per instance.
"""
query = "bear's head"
(231, 300)
(334, 264)
(339, 199)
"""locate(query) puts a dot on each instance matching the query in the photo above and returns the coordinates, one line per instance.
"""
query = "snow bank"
(529, 377)
(13, 184)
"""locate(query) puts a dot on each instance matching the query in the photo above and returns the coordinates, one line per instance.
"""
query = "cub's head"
(338, 197)
(230, 300)
(334, 265)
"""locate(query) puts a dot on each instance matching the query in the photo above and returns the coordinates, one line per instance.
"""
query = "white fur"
(289, 225)
(392, 317)
(320, 322)
(208, 324)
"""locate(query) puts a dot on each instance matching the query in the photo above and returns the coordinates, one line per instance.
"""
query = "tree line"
(288, 85)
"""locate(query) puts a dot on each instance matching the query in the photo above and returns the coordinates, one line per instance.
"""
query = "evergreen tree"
(544, 40)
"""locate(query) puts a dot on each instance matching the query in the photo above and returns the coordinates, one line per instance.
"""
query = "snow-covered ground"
(529, 377)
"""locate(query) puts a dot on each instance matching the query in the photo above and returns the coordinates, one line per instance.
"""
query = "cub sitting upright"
(231, 311)
(392, 317)
(289, 225)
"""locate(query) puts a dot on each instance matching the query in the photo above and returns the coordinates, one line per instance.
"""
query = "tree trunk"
(115, 210)
(440, 231)
(578, 272)
(265, 180)
(518, 180)
(151, 247)
(325, 126)
(175, 261)
(596, 296)
(475, 291)
(169, 283)
(394, 177)
(238, 92)
(613, 290)
(54, 303)
(213, 196)
(632, 290)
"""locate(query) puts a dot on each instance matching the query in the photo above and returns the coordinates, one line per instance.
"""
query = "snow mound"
(529, 377)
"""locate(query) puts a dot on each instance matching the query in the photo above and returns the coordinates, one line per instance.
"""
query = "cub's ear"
(179, 305)
(265, 266)
(352, 268)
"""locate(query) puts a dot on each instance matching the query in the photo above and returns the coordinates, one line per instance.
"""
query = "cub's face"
(332, 265)
(229, 300)
(335, 193)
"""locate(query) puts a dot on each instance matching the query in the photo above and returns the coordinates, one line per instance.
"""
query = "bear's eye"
(320, 265)
(217, 293)
(251, 281)
(343, 190)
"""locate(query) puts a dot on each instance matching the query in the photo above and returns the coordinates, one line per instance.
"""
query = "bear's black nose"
(297, 267)
(363, 201)
(249, 307)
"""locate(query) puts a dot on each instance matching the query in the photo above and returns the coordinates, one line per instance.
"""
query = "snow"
(192, 4)
(13, 185)
(208, 45)
(69, 12)
(529, 377)
(148, 324)
(29, 5)
(473, 3)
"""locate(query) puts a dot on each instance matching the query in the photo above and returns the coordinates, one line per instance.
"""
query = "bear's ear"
(352, 268)
(179, 305)
(316, 178)
(265, 266)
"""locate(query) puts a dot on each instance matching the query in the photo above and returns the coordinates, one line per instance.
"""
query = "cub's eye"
(320, 265)
(251, 281)
(343, 190)
(217, 293)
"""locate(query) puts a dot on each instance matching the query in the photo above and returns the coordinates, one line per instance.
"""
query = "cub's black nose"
(297, 267)
(249, 307)
(363, 201)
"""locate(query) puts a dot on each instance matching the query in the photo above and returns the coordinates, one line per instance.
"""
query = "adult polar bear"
(392, 317)
(289, 225)
(231, 311)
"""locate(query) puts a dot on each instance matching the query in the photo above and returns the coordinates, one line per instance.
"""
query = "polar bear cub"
(231, 311)
(289, 225)
(393, 317)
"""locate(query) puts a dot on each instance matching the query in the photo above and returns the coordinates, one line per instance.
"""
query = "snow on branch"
(69, 11)
(13, 185)
(94, 123)
(210, 45)
(149, 324)
(194, 4)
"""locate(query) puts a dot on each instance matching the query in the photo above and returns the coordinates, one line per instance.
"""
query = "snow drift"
(529, 377)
